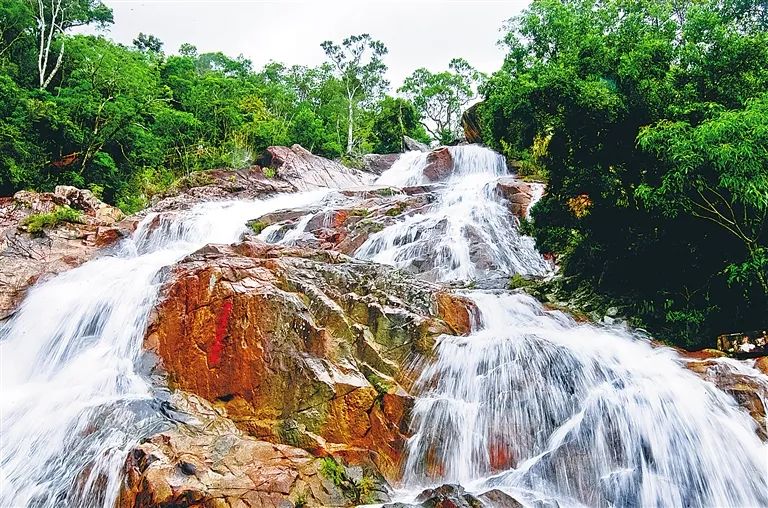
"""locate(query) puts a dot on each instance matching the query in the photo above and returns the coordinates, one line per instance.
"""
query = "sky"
(418, 33)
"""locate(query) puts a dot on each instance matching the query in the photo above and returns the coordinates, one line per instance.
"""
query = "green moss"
(396, 210)
(371, 226)
(359, 212)
(257, 226)
(36, 223)
(269, 172)
(388, 192)
(301, 500)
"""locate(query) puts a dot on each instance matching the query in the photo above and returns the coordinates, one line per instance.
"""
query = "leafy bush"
(36, 223)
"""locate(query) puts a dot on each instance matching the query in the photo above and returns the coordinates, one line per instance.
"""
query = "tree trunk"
(350, 124)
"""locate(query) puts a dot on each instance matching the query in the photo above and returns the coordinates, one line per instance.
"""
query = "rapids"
(76, 396)
(555, 412)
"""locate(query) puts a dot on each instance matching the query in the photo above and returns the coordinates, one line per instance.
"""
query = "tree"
(148, 43)
(718, 171)
(648, 118)
(396, 118)
(359, 66)
(54, 18)
(16, 19)
(441, 97)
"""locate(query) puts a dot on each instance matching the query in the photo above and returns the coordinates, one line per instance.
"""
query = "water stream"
(75, 395)
(554, 412)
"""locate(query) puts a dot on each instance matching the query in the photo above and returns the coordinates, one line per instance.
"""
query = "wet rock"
(761, 364)
(348, 226)
(439, 165)
(304, 170)
(378, 163)
(26, 258)
(471, 124)
(519, 195)
(209, 462)
(412, 144)
(301, 347)
(749, 391)
(217, 185)
(498, 499)
(445, 496)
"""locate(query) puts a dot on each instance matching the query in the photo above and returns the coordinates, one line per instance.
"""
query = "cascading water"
(549, 410)
(467, 233)
(531, 402)
(74, 398)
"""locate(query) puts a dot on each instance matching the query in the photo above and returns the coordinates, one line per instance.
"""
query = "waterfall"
(75, 395)
(467, 234)
(549, 410)
(555, 412)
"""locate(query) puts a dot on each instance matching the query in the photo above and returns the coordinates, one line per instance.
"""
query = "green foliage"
(394, 119)
(333, 471)
(441, 97)
(649, 122)
(360, 492)
(38, 222)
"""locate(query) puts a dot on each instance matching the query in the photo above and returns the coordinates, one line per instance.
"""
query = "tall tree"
(53, 19)
(148, 43)
(440, 97)
(358, 63)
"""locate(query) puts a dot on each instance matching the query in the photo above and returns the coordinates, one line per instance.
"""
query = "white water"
(74, 397)
(543, 407)
(549, 410)
(468, 232)
(531, 402)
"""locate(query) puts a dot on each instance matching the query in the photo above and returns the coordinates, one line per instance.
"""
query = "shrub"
(36, 223)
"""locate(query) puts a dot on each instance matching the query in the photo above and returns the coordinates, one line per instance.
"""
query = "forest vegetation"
(647, 119)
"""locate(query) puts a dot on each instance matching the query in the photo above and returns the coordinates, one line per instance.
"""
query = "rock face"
(305, 171)
(220, 184)
(301, 347)
(208, 462)
(281, 170)
(379, 163)
(26, 258)
(412, 144)
(348, 225)
(520, 195)
(454, 496)
(471, 124)
(750, 390)
(439, 165)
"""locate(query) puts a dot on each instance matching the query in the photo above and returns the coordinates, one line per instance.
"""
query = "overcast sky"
(418, 33)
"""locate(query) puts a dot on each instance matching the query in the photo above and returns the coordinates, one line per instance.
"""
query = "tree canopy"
(649, 121)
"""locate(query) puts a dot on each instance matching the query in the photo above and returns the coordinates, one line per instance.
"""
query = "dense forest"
(648, 120)
(126, 122)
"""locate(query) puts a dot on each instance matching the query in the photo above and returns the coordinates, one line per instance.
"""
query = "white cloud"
(418, 33)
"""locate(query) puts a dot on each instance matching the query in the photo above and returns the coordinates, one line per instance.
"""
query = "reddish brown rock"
(749, 391)
(439, 165)
(460, 313)
(301, 347)
(27, 258)
(519, 194)
(210, 463)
